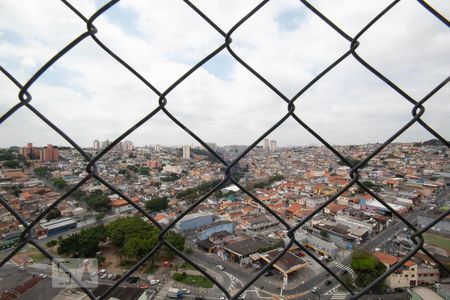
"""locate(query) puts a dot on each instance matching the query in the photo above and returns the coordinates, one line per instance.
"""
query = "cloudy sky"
(90, 96)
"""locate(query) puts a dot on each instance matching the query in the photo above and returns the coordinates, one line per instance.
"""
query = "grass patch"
(37, 256)
(186, 266)
(437, 241)
(193, 280)
(151, 269)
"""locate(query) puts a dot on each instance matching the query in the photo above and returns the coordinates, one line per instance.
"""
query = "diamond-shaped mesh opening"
(354, 168)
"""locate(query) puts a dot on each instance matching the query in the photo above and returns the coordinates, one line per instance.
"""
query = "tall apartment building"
(29, 152)
(96, 145)
(48, 153)
(266, 144)
(186, 151)
(273, 145)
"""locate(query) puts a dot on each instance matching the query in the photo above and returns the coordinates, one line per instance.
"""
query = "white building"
(266, 144)
(96, 145)
(273, 145)
(186, 152)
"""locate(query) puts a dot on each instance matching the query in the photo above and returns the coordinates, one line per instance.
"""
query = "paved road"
(374, 242)
(303, 290)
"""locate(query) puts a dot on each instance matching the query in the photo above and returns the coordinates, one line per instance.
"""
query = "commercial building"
(195, 221)
(408, 275)
(322, 247)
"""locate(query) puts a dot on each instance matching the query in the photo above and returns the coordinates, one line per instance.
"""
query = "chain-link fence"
(418, 110)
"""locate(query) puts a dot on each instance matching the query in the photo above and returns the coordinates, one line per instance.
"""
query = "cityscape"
(224, 150)
(229, 235)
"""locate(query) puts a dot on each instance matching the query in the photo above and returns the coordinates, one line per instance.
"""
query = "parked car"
(315, 289)
(328, 282)
(22, 268)
(42, 275)
(154, 281)
(220, 267)
(343, 272)
(437, 285)
(269, 273)
(309, 261)
(185, 291)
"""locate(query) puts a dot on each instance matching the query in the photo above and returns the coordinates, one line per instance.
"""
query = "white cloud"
(90, 96)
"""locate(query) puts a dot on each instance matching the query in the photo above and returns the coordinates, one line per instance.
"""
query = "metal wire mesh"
(418, 110)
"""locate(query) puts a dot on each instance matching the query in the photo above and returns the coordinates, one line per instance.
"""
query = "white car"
(437, 285)
(186, 291)
(220, 267)
(104, 276)
(154, 281)
(42, 275)
(315, 289)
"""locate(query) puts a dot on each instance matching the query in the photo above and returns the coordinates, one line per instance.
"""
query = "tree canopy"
(367, 268)
(157, 204)
(12, 164)
(98, 201)
(83, 244)
(59, 182)
(136, 238)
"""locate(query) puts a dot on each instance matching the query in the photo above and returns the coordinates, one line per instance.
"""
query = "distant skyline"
(198, 145)
(90, 96)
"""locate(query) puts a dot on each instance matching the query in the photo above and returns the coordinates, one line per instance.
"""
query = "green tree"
(120, 230)
(52, 243)
(157, 204)
(175, 239)
(98, 201)
(137, 247)
(7, 155)
(42, 171)
(367, 268)
(132, 168)
(53, 214)
(59, 182)
(83, 244)
(99, 216)
(12, 164)
(144, 170)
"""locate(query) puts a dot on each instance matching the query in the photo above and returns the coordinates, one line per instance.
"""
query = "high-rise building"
(96, 145)
(105, 144)
(128, 146)
(266, 144)
(48, 153)
(157, 148)
(29, 152)
(273, 145)
(186, 151)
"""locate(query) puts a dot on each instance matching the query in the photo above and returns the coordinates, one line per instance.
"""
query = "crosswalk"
(342, 267)
(336, 294)
(163, 291)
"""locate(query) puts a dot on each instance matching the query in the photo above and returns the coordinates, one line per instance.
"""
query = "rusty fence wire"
(418, 110)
